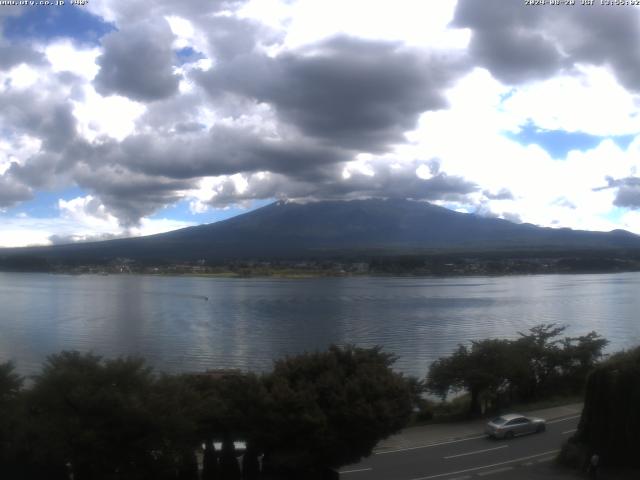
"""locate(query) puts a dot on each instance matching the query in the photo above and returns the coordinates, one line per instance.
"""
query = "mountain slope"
(324, 228)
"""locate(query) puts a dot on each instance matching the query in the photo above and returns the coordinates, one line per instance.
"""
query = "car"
(508, 426)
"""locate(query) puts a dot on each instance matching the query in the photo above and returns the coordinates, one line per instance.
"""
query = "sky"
(132, 118)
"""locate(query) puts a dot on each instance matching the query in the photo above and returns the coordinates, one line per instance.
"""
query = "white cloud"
(464, 139)
(20, 77)
(81, 218)
(589, 100)
(114, 116)
(18, 150)
(64, 56)
(414, 22)
(469, 140)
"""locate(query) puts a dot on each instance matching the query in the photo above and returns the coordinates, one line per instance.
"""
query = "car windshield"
(498, 420)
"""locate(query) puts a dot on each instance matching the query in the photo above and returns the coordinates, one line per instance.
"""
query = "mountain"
(294, 230)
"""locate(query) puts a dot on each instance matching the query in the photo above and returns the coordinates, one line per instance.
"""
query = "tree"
(332, 408)
(481, 369)
(11, 417)
(99, 416)
(610, 422)
(543, 360)
(538, 363)
(580, 356)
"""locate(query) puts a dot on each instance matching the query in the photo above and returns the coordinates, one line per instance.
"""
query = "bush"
(610, 423)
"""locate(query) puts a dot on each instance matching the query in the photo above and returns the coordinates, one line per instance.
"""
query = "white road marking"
(569, 431)
(356, 471)
(542, 460)
(563, 419)
(476, 451)
(430, 445)
(498, 470)
(487, 466)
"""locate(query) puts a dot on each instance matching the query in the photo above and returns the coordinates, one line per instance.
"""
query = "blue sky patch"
(46, 23)
(188, 55)
(559, 143)
(180, 211)
(45, 203)
(615, 214)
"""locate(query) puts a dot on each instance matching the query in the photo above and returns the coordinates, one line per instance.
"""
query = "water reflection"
(184, 324)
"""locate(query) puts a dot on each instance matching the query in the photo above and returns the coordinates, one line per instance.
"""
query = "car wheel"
(541, 428)
(508, 435)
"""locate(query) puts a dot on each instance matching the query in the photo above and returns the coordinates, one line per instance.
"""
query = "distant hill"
(376, 227)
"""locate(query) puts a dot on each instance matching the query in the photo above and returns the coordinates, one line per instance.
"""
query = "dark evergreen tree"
(610, 422)
(331, 408)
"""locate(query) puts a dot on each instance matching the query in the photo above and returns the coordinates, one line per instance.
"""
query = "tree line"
(498, 372)
(89, 418)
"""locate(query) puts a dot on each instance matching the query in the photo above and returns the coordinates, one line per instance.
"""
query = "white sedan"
(508, 426)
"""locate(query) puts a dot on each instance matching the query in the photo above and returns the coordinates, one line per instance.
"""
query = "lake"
(193, 323)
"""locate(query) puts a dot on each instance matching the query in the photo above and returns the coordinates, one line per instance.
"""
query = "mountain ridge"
(291, 229)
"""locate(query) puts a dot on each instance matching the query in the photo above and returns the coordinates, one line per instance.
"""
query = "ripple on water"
(247, 323)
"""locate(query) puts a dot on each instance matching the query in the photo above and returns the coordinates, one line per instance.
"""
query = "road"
(469, 458)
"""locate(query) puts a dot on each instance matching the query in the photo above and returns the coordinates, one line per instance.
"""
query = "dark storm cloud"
(229, 37)
(128, 195)
(12, 54)
(138, 63)
(12, 192)
(326, 103)
(506, 40)
(44, 116)
(350, 92)
(221, 150)
(628, 194)
(628, 191)
(519, 43)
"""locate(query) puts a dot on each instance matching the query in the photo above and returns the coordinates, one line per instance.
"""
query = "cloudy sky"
(136, 117)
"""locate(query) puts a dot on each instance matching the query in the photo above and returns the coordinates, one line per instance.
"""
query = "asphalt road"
(469, 458)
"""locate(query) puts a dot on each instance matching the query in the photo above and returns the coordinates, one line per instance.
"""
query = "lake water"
(192, 324)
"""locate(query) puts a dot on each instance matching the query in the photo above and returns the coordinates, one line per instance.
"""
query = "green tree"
(536, 364)
(482, 369)
(101, 417)
(580, 356)
(331, 408)
(11, 417)
(231, 405)
(610, 422)
(544, 358)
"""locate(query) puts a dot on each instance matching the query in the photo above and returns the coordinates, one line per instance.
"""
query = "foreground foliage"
(115, 419)
(610, 422)
(498, 372)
